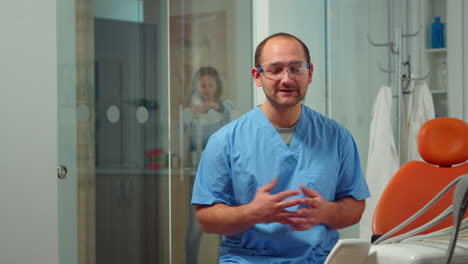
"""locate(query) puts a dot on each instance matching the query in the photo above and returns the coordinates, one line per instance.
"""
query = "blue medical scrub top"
(248, 153)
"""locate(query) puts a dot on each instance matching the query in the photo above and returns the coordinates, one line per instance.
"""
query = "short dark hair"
(207, 71)
(259, 49)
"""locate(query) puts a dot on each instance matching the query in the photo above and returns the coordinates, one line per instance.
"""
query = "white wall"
(260, 30)
(306, 20)
(456, 81)
(28, 134)
(241, 56)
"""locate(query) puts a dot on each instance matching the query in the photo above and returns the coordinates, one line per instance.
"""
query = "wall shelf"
(439, 91)
(443, 50)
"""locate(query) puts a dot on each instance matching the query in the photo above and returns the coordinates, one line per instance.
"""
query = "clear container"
(441, 75)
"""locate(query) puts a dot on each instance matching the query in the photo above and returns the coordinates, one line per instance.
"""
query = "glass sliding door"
(67, 133)
(132, 81)
(113, 131)
(354, 75)
(211, 58)
(131, 140)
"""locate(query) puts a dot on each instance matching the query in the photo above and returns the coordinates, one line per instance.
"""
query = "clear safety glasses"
(276, 70)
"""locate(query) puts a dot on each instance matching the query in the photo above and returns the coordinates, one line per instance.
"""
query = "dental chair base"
(431, 251)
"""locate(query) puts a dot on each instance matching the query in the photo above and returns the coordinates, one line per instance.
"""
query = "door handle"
(62, 172)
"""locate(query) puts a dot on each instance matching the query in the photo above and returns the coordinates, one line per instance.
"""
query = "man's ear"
(311, 72)
(256, 77)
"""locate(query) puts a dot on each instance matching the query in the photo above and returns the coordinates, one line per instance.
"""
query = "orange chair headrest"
(443, 141)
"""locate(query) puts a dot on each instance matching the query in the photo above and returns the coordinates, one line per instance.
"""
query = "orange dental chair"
(413, 202)
(443, 144)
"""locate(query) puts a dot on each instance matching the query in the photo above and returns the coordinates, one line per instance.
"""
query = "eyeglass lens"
(277, 70)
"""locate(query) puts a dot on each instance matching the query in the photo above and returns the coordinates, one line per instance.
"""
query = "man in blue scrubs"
(280, 180)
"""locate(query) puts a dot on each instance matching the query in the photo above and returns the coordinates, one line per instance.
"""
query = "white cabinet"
(435, 60)
(447, 65)
(437, 80)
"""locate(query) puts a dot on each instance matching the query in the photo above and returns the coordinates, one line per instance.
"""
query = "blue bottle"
(437, 29)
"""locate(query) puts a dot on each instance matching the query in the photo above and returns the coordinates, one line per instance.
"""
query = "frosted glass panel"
(113, 120)
(211, 46)
(355, 77)
(346, 73)
(130, 81)
(306, 20)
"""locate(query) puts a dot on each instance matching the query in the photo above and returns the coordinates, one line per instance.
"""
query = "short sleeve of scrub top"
(351, 179)
(216, 185)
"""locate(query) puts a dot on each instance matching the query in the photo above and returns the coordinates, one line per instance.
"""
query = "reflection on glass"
(210, 86)
(82, 113)
(113, 114)
(135, 212)
(142, 114)
(209, 113)
(131, 197)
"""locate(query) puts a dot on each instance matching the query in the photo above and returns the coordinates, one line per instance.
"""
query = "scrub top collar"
(279, 143)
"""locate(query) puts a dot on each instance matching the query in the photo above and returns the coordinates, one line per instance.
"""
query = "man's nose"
(287, 75)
